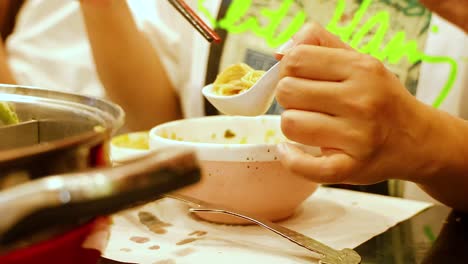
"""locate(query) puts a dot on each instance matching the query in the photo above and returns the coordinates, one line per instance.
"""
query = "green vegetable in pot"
(7, 115)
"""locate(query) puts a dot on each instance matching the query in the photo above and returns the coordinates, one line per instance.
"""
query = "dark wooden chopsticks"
(187, 12)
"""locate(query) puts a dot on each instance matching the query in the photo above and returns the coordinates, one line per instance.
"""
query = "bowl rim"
(153, 133)
(230, 152)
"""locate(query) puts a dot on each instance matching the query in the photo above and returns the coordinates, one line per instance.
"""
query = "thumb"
(312, 34)
(334, 167)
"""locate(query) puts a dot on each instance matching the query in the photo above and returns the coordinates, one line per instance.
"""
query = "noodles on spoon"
(236, 79)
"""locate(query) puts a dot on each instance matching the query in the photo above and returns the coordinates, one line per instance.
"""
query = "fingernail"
(286, 46)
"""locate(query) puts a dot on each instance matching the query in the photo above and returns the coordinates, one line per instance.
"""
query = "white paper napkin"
(336, 217)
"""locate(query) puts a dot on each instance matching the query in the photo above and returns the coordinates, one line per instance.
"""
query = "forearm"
(128, 65)
(6, 75)
(448, 182)
(455, 11)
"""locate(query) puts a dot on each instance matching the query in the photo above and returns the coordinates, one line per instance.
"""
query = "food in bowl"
(7, 114)
(240, 165)
(127, 146)
(236, 79)
(137, 140)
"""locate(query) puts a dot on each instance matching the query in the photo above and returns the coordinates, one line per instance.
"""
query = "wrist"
(447, 180)
(444, 151)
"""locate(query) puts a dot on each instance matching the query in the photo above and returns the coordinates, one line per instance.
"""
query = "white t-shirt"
(452, 42)
(49, 46)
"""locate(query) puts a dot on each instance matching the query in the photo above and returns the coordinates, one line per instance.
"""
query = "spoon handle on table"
(327, 255)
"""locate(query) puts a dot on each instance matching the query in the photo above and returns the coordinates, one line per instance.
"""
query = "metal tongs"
(326, 254)
(187, 12)
(39, 205)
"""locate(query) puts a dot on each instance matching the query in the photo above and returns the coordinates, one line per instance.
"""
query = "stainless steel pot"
(66, 135)
(57, 133)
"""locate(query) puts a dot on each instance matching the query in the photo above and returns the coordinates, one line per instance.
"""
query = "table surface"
(437, 235)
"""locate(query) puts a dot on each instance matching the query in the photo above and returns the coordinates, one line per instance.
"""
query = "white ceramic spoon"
(255, 101)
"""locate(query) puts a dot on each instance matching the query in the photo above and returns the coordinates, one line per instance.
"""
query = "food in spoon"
(7, 115)
(236, 79)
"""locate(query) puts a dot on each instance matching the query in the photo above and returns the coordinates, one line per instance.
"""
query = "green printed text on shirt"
(369, 36)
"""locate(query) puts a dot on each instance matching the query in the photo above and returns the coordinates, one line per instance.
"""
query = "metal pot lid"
(46, 116)
(31, 103)
(55, 132)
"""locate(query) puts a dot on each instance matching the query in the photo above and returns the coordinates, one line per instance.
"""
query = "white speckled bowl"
(239, 163)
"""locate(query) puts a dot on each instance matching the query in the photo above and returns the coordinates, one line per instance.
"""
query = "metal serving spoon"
(253, 102)
(327, 255)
